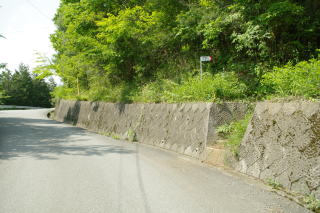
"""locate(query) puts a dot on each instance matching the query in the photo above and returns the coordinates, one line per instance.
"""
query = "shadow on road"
(48, 140)
(141, 182)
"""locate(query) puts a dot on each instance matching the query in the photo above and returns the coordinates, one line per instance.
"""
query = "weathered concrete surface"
(282, 143)
(50, 167)
(183, 128)
(224, 113)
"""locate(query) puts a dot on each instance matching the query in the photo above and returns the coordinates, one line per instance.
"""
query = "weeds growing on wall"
(312, 203)
(274, 184)
(234, 133)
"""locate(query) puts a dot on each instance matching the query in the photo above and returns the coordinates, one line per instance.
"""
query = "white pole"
(200, 70)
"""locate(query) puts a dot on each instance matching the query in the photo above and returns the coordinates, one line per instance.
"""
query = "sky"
(27, 25)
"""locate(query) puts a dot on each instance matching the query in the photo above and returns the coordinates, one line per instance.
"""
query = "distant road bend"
(49, 167)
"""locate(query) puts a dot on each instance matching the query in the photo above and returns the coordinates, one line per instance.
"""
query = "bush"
(120, 93)
(154, 92)
(222, 86)
(302, 79)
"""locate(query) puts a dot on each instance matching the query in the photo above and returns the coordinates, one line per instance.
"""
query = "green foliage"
(63, 92)
(281, 13)
(252, 41)
(2, 96)
(115, 137)
(112, 135)
(146, 50)
(224, 129)
(302, 79)
(131, 41)
(235, 132)
(312, 203)
(155, 92)
(22, 88)
(131, 135)
(45, 68)
(274, 184)
(222, 86)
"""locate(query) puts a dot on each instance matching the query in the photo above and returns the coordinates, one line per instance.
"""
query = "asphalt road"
(46, 166)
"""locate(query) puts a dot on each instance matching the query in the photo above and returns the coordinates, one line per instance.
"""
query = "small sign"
(206, 58)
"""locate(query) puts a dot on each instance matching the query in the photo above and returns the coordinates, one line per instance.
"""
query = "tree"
(105, 47)
(22, 88)
(5, 78)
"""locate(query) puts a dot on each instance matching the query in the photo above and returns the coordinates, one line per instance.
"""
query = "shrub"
(120, 93)
(302, 79)
(154, 92)
(222, 86)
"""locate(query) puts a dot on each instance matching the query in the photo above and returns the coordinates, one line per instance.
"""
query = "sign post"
(203, 59)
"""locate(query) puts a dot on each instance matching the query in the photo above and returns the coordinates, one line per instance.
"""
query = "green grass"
(234, 133)
(312, 203)
(300, 80)
(112, 135)
(131, 135)
(274, 184)
(224, 86)
(224, 129)
(116, 137)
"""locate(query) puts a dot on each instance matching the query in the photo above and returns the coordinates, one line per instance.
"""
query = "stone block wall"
(185, 128)
(282, 143)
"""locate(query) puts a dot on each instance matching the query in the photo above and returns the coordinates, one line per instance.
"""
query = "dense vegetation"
(22, 88)
(148, 50)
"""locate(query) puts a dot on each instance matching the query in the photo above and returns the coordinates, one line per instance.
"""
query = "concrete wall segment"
(186, 128)
(282, 143)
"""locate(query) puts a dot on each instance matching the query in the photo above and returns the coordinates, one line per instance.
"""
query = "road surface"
(49, 167)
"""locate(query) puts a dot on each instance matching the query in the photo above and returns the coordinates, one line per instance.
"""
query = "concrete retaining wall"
(282, 143)
(184, 128)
